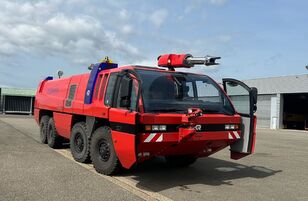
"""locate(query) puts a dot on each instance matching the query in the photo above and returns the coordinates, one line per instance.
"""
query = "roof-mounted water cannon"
(172, 61)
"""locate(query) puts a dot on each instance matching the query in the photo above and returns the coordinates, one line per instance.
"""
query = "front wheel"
(103, 155)
(79, 143)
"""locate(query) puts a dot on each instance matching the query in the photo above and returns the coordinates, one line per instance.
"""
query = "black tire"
(103, 155)
(80, 143)
(53, 139)
(180, 160)
(43, 128)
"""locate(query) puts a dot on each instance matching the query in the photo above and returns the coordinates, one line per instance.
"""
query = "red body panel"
(124, 145)
(63, 124)
(97, 106)
(177, 119)
(196, 143)
(52, 95)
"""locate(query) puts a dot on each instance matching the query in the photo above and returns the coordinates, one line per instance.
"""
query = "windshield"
(175, 92)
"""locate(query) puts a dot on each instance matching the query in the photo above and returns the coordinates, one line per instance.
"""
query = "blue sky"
(254, 38)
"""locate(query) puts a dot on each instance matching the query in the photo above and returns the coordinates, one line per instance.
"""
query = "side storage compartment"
(63, 124)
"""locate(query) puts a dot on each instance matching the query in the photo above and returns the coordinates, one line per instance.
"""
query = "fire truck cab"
(116, 117)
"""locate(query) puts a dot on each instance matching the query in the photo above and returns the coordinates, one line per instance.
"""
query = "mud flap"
(124, 145)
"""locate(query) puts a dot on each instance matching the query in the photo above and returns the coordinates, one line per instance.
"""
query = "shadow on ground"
(157, 176)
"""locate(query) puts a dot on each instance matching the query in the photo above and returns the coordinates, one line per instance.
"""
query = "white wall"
(264, 110)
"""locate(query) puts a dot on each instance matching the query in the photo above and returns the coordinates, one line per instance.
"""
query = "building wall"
(264, 110)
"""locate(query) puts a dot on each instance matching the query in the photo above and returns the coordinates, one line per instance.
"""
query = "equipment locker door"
(244, 100)
(122, 117)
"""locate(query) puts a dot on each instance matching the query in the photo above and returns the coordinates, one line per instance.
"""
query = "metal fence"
(17, 104)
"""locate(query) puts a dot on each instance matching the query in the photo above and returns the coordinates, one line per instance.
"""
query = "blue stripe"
(93, 77)
(49, 78)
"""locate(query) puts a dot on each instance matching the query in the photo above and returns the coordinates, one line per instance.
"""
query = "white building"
(282, 101)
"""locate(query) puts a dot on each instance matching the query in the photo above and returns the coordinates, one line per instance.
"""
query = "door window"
(110, 89)
(133, 97)
(207, 92)
(239, 96)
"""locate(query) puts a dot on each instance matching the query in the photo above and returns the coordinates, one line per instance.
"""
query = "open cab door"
(244, 100)
(122, 117)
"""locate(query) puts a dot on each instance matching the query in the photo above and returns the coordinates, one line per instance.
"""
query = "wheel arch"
(92, 122)
(45, 112)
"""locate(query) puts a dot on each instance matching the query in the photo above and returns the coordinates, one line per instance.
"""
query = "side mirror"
(125, 91)
(254, 95)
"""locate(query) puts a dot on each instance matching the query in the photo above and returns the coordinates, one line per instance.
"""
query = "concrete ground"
(33, 171)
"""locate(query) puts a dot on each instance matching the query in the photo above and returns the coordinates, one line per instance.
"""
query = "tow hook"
(188, 127)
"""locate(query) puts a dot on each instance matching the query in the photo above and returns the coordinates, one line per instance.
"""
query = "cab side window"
(110, 89)
(101, 93)
(127, 95)
(98, 83)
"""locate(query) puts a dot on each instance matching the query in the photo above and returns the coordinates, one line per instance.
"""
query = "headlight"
(163, 127)
(155, 127)
(231, 127)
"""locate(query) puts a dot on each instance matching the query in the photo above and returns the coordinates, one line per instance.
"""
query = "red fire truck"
(116, 117)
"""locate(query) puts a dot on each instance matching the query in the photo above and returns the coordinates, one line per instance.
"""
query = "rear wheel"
(44, 128)
(80, 143)
(53, 139)
(180, 160)
(102, 152)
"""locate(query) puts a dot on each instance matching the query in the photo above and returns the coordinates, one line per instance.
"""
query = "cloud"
(41, 28)
(158, 17)
(218, 2)
(127, 29)
(124, 14)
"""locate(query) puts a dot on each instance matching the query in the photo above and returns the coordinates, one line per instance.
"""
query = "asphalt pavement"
(33, 171)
